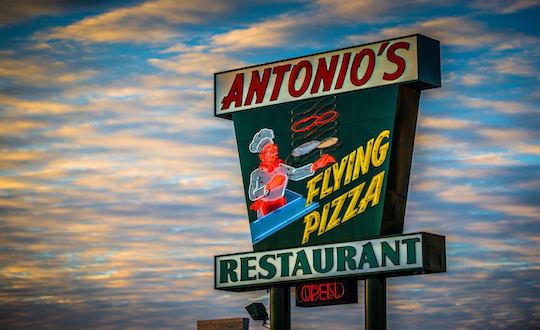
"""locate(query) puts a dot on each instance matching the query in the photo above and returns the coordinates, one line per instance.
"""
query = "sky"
(118, 186)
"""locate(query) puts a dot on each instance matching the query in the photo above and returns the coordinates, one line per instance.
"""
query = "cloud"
(515, 66)
(270, 33)
(472, 79)
(370, 9)
(181, 48)
(493, 146)
(16, 11)
(501, 106)
(435, 141)
(41, 72)
(17, 160)
(429, 185)
(293, 27)
(509, 59)
(454, 31)
(203, 64)
(530, 184)
(24, 107)
(373, 11)
(504, 6)
(445, 123)
(298, 27)
(19, 127)
(515, 140)
(464, 194)
(148, 22)
(489, 159)
(452, 173)
(505, 135)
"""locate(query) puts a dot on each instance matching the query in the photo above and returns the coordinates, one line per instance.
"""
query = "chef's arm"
(300, 173)
(256, 191)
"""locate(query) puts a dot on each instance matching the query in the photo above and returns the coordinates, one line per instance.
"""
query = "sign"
(333, 292)
(410, 254)
(325, 141)
(403, 60)
(325, 144)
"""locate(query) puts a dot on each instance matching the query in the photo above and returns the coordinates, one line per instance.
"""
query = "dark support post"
(280, 308)
(375, 303)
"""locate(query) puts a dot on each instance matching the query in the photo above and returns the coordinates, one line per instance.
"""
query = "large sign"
(402, 60)
(392, 256)
(325, 144)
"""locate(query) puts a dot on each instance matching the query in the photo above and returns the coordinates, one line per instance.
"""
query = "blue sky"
(118, 186)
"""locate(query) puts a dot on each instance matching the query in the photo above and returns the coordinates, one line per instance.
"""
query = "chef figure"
(268, 182)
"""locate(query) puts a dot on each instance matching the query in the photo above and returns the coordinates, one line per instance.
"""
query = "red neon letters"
(320, 292)
(317, 75)
(397, 60)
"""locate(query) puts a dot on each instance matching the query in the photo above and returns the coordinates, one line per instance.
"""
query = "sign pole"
(375, 303)
(280, 308)
(325, 143)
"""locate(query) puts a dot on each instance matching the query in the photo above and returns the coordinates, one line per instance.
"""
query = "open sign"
(334, 292)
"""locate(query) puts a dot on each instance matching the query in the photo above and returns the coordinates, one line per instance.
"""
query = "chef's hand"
(275, 182)
(323, 162)
(255, 205)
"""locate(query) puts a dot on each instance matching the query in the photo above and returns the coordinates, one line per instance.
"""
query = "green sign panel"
(332, 193)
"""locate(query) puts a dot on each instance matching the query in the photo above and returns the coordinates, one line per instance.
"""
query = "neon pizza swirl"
(316, 120)
(313, 121)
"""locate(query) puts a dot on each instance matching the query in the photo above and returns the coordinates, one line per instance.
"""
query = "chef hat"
(263, 137)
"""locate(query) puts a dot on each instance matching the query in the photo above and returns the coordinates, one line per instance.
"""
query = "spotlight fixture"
(257, 311)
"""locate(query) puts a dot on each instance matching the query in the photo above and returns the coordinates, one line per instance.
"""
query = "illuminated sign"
(392, 256)
(401, 60)
(324, 158)
(325, 144)
(335, 292)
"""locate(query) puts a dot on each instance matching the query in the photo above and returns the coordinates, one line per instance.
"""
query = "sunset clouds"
(118, 186)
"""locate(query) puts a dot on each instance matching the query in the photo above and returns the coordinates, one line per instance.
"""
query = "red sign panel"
(334, 292)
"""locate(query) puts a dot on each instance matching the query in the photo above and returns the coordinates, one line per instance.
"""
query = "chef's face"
(269, 153)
